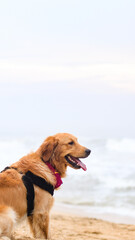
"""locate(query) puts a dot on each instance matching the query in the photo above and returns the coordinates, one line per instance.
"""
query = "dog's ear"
(47, 148)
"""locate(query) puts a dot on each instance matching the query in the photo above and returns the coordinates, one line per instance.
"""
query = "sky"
(67, 66)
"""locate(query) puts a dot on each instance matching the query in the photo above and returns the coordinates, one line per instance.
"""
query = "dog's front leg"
(39, 224)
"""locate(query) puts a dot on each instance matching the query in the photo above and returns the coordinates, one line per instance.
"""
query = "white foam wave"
(123, 145)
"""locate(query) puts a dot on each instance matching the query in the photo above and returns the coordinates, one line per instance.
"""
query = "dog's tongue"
(82, 165)
(79, 163)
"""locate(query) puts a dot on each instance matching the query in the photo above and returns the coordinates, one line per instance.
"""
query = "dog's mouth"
(75, 162)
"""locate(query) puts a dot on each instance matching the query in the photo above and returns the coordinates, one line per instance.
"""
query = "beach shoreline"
(79, 211)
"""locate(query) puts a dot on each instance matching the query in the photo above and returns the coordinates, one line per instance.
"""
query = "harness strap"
(30, 194)
(29, 180)
(40, 182)
(6, 168)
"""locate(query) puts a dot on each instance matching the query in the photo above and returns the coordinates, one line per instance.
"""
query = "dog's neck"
(59, 167)
(55, 173)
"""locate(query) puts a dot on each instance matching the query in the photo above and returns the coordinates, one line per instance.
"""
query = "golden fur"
(13, 204)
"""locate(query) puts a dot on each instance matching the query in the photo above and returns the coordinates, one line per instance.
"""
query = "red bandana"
(56, 174)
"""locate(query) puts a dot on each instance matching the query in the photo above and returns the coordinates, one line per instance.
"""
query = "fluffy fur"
(13, 203)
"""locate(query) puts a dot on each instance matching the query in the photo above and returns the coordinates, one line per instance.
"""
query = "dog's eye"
(71, 143)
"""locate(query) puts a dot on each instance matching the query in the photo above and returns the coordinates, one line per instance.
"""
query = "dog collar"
(56, 174)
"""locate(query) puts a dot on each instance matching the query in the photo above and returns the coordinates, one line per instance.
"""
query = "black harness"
(29, 180)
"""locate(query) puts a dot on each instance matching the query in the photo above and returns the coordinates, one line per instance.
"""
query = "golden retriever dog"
(26, 187)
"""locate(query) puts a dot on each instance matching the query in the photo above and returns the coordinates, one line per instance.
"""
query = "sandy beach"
(71, 227)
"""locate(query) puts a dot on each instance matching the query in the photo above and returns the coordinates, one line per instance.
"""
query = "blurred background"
(69, 66)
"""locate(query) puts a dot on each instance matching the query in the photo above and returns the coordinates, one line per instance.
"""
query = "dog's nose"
(87, 151)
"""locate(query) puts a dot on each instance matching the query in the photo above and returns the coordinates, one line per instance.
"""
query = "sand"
(71, 227)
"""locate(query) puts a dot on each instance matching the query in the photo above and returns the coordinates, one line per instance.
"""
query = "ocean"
(106, 190)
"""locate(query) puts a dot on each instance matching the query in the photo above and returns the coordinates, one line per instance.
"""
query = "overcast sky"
(67, 66)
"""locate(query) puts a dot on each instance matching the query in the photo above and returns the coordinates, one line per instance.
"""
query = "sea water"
(107, 188)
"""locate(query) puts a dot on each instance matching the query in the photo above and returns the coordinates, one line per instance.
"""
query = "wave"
(123, 145)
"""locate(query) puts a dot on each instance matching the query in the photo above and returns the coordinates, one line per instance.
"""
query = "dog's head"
(63, 150)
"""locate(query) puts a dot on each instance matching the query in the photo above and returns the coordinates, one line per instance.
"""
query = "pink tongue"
(82, 165)
(79, 163)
